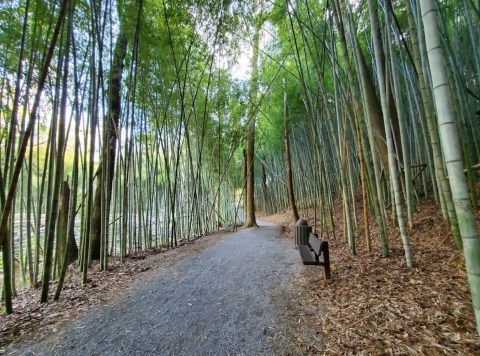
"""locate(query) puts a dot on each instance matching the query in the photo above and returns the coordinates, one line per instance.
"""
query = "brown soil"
(378, 305)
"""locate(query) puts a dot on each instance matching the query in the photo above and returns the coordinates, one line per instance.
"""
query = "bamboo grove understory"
(126, 128)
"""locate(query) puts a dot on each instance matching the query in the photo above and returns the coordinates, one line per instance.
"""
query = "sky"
(241, 70)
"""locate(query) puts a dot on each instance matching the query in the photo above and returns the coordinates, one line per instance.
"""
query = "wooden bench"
(316, 253)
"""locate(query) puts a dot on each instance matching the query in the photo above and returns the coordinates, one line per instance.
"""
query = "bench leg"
(326, 259)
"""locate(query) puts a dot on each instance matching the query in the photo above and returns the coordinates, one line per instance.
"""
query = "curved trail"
(220, 301)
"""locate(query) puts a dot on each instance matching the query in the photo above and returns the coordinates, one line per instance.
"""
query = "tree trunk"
(6, 260)
(288, 163)
(444, 191)
(108, 154)
(62, 230)
(356, 112)
(452, 151)
(372, 104)
(28, 131)
(392, 164)
(50, 228)
(252, 112)
(71, 252)
(264, 186)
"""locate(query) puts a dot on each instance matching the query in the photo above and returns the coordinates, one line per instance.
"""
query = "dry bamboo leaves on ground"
(378, 305)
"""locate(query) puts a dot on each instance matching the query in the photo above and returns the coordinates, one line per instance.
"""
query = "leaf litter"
(377, 305)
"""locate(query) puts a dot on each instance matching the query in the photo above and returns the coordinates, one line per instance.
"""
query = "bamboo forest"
(157, 157)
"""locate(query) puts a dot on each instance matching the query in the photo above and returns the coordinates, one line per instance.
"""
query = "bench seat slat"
(306, 255)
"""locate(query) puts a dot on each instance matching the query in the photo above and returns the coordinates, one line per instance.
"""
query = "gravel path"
(220, 301)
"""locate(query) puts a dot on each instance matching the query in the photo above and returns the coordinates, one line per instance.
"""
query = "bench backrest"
(315, 243)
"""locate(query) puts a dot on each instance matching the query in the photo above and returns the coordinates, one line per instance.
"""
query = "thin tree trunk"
(288, 162)
(403, 131)
(59, 166)
(6, 260)
(28, 131)
(108, 155)
(443, 187)
(385, 96)
(452, 151)
(71, 251)
(252, 112)
(371, 110)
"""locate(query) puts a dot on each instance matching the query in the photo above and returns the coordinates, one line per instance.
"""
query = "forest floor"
(377, 305)
(221, 294)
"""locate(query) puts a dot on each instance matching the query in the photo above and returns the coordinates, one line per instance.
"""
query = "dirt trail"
(223, 300)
